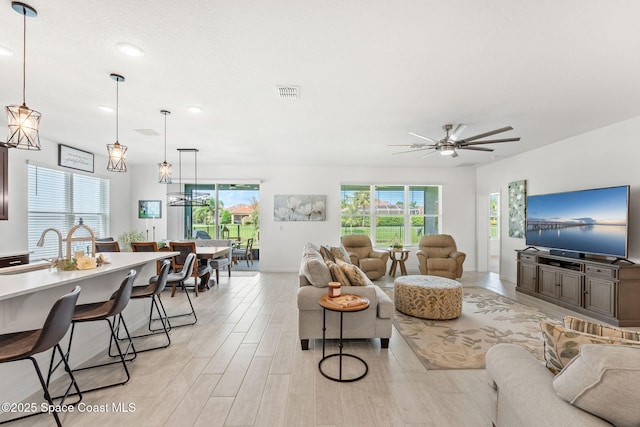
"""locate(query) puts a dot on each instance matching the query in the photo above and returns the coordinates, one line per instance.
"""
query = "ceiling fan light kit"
(451, 142)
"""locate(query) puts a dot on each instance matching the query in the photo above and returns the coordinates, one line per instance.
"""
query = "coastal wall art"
(517, 208)
(299, 207)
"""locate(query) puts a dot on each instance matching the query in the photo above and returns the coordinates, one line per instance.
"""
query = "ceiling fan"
(451, 142)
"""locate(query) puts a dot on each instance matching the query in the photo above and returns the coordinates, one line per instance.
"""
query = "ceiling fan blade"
(457, 132)
(413, 151)
(482, 135)
(423, 137)
(428, 154)
(490, 141)
(475, 148)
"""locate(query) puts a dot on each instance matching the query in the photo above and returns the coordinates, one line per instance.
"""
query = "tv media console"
(592, 286)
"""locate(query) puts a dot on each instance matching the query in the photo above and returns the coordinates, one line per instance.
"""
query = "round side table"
(353, 303)
(395, 261)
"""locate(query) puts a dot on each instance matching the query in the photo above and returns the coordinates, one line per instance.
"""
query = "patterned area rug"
(487, 319)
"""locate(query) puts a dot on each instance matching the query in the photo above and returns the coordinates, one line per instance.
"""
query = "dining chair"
(107, 247)
(245, 253)
(25, 345)
(147, 247)
(177, 263)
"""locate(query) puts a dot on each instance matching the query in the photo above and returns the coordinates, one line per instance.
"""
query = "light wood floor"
(241, 365)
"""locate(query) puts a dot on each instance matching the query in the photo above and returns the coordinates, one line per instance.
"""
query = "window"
(390, 214)
(58, 199)
(494, 216)
(235, 215)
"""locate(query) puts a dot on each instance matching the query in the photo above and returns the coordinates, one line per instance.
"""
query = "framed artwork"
(149, 209)
(517, 208)
(299, 207)
(73, 158)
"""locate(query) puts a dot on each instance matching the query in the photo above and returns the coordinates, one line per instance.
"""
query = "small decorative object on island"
(334, 289)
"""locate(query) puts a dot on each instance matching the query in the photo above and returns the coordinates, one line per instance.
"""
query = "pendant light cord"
(117, 109)
(165, 137)
(24, 55)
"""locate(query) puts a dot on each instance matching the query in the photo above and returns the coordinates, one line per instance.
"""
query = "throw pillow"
(325, 251)
(315, 270)
(603, 380)
(340, 253)
(581, 325)
(337, 274)
(562, 344)
(353, 273)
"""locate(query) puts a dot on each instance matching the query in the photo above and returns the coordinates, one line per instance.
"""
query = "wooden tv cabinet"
(595, 287)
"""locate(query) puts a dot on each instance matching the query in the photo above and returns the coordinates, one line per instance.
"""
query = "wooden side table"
(345, 303)
(395, 261)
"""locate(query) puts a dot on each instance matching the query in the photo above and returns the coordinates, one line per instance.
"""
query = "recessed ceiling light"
(194, 109)
(5, 51)
(130, 49)
(106, 108)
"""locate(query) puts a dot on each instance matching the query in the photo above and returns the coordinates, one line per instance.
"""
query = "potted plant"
(126, 238)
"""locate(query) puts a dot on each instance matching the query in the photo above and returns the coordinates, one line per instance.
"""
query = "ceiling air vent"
(147, 132)
(288, 92)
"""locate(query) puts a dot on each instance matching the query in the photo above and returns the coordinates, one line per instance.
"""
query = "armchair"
(362, 254)
(438, 256)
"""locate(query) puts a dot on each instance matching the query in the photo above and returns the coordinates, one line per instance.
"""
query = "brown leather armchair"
(373, 263)
(438, 256)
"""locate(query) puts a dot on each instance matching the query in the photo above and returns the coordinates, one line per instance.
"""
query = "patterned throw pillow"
(353, 273)
(581, 325)
(562, 344)
(325, 251)
(340, 253)
(337, 274)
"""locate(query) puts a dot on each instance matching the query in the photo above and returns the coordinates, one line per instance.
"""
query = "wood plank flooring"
(241, 365)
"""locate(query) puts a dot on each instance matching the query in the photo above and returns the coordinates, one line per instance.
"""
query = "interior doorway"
(494, 233)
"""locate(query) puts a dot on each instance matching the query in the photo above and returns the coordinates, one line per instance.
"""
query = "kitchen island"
(26, 298)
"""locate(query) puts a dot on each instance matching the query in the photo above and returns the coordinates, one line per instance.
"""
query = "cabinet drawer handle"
(15, 262)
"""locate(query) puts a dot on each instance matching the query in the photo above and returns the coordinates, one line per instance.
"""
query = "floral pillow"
(562, 344)
(340, 253)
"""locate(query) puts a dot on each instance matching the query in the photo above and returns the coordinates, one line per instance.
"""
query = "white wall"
(14, 231)
(601, 158)
(281, 242)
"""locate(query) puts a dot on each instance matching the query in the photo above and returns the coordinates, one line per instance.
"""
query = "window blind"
(58, 199)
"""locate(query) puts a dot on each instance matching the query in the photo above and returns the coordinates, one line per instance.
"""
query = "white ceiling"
(369, 72)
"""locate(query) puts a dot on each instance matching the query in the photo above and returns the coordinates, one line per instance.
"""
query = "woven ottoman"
(428, 297)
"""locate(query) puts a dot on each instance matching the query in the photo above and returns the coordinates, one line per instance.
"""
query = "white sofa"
(524, 394)
(313, 278)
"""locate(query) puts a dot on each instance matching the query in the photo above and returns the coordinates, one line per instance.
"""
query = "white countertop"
(13, 285)
(17, 253)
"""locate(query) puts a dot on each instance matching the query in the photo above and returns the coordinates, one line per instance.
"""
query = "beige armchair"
(373, 263)
(438, 256)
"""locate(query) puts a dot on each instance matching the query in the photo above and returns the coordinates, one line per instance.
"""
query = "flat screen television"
(591, 221)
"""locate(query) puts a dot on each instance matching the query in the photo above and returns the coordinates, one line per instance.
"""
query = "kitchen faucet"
(41, 241)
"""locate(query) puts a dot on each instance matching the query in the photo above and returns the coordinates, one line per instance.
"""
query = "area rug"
(487, 319)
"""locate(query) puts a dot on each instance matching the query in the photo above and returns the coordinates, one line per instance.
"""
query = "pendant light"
(164, 168)
(23, 122)
(187, 198)
(116, 151)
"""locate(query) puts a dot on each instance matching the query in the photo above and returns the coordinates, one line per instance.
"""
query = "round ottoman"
(428, 297)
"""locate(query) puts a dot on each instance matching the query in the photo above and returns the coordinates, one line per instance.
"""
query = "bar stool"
(24, 345)
(177, 279)
(153, 290)
(103, 310)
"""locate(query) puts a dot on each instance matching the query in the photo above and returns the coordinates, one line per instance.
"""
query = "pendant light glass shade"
(164, 168)
(188, 198)
(116, 151)
(23, 122)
